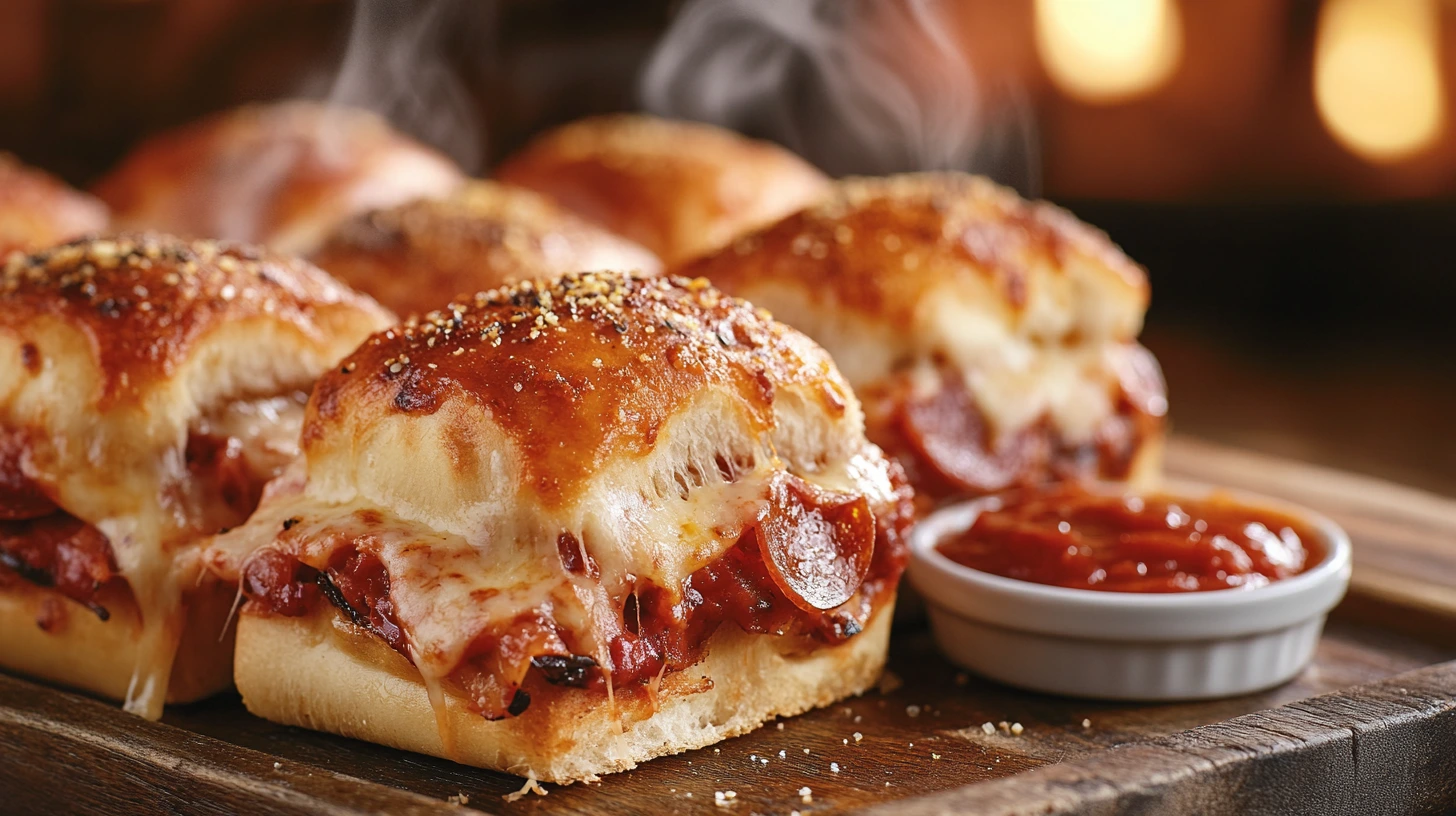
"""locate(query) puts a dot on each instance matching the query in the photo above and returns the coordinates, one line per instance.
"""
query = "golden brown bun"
(51, 638)
(416, 256)
(929, 284)
(37, 209)
(321, 673)
(884, 254)
(114, 352)
(282, 174)
(678, 188)
(564, 381)
(523, 466)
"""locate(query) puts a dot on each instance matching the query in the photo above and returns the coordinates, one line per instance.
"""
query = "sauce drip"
(1066, 536)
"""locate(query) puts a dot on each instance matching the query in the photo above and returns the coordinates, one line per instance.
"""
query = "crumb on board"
(988, 728)
(858, 736)
(783, 754)
(780, 726)
(1086, 723)
(458, 799)
(806, 796)
(806, 750)
(531, 786)
(277, 766)
(834, 767)
(935, 756)
(1016, 729)
(912, 710)
(724, 798)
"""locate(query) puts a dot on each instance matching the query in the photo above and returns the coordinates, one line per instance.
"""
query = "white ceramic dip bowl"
(1128, 645)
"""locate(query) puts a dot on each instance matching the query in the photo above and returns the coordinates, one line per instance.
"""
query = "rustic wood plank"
(1382, 748)
(64, 753)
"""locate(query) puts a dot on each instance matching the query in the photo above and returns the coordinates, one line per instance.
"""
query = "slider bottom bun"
(321, 672)
(52, 638)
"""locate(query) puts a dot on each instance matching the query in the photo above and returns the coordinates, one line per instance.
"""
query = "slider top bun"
(545, 451)
(678, 188)
(415, 256)
(38, 209)
(579, 388)
(967, 263)
(281, 174)
(148, 330)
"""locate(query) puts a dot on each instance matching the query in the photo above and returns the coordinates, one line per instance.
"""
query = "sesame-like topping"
(585, 367)
(145, 298)
(530, 310)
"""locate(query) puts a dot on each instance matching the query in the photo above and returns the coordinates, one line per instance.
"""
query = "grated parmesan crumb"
(531, 786)
(988, 728)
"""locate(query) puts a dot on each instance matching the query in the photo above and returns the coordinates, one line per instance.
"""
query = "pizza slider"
(992, 340)
(281, 174)
(149, 388)
(38, 209)
(678, 188)
(414, 257)
(562, 528)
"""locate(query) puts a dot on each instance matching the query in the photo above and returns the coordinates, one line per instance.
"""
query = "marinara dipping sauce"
(1068, 536)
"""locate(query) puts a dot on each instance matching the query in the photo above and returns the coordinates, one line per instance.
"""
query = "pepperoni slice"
(817, 545)
(60, 551)
(949, 433)
(20, 498)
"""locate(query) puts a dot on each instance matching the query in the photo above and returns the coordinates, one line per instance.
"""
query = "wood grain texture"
(1381, 748)
(1288, 749)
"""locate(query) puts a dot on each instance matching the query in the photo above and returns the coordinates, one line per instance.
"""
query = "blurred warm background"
(1286, 169)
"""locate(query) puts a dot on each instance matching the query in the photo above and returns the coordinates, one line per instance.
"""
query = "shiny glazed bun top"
(38, 209)
(678, 188)
(414, 257)
(963, 260)
(594, 378)
(280, 174)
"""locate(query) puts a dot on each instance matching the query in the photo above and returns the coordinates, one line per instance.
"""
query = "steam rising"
(855, 86)
(396, 64)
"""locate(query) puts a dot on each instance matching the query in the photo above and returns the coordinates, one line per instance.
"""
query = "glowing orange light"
(1377, 76)
(1108, 50)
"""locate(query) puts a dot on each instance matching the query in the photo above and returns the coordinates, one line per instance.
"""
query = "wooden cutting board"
(1370, 727)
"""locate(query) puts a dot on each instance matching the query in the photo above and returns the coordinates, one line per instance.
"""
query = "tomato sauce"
(1069, 537)
(824, 582)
